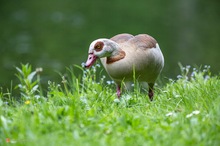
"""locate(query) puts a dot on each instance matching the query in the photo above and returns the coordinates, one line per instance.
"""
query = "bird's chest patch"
(115, 58)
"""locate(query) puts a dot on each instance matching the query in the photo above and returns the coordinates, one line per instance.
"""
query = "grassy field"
(84, 111)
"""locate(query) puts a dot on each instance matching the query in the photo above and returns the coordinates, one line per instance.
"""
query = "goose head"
(100, 48)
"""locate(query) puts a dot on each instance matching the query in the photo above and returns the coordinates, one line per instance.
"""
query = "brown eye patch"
(98, 46)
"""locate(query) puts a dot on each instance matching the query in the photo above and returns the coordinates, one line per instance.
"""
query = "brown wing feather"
(121, 38)
(143, 41)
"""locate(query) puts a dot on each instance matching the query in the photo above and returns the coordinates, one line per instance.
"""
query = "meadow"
(84, 110)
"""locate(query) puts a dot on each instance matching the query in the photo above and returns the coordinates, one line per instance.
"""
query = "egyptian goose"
(125, 54)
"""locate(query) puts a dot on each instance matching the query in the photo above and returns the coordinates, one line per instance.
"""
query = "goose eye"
(98, 46)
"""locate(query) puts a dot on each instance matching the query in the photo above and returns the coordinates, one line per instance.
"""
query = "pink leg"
(118, 91)
(151, 91)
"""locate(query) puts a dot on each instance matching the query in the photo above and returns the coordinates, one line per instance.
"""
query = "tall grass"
(82, 110)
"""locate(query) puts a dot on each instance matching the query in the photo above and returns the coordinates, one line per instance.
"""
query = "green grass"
(83, 111)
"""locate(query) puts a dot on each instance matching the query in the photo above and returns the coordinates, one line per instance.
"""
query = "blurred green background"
(54, 34)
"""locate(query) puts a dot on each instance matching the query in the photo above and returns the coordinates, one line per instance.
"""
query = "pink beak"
(91, 60)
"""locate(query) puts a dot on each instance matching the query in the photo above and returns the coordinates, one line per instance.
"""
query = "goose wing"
(121, 38)
(143, 41)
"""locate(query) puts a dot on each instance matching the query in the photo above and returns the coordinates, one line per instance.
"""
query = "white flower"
(189, 115)
(37, 96)
(116, 100)
(196, 112)
(179, 77)
(128, 97)
(98, 65)
(39, 69)
(110, 82)
(173, 114)
(170, 114)
(83, 64)
(188, 66)
(192, 74)
(206, 77)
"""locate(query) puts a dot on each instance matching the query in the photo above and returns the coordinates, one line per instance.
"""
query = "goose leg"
(151, 91)
(118, 91)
